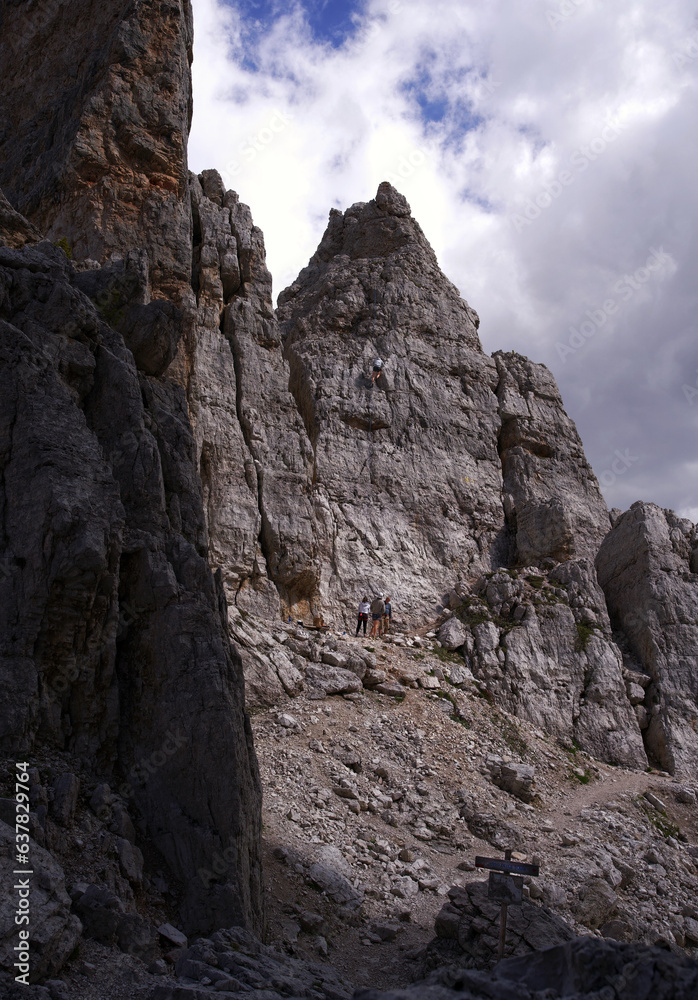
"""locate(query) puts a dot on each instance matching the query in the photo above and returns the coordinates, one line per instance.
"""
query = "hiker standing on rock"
(387, 615)
(377, 612)
(364, 611)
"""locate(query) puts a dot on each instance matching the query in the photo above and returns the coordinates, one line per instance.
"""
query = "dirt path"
(613, 783)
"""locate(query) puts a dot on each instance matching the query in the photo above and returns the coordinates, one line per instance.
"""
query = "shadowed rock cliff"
(113, 634)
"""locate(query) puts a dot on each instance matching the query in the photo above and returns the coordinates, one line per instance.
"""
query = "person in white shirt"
(364, 610)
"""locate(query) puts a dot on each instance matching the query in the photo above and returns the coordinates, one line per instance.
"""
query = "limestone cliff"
(113, 633)
(169, 443)
(648, 567)
(94, 122)
(323, 484)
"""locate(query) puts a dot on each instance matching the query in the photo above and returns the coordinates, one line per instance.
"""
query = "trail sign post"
(505, 886)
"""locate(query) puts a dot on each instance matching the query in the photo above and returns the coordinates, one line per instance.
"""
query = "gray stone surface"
(517, 779)
(551, 497)
(581, 969)
(93, 139)
(452, 633)
(541, 645)
(110, 619)
(647, 569)
(430, 420)
(65, 797)
(113, 629)
(234, 963)
(15, 230)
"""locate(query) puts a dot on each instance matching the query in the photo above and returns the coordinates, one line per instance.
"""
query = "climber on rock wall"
(377, 369)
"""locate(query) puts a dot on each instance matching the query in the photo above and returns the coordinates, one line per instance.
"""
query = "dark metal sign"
(512, 867)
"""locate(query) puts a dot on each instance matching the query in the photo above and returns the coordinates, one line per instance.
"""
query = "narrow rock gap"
(247, 437)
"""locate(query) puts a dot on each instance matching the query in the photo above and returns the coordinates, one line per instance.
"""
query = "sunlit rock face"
(648, 568)
(450, 463)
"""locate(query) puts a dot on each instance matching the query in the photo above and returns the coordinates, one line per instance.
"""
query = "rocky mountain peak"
(187, 477)
(382, 272)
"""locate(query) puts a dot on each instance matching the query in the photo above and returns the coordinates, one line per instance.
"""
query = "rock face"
(114, 631)
(235, 963)
(93, 140)
(648, 568)
(551, 496)
(541, 644)
(114, 638)
(15, 230)
(407, 468)
(582, 969)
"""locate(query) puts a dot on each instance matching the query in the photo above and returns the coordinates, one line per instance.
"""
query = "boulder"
(470, 920)
(100, 911)
(596, 903)
(332, 680)
(452, 633)
(517, 779)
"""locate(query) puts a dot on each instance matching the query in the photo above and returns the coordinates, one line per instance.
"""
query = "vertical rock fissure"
(264, 528)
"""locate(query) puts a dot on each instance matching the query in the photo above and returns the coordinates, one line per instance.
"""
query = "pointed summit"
(383, 273)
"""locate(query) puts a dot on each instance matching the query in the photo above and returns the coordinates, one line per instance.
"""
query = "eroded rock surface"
(113, 629)
(552, 499)
(583, 969)
(468, 927)
(648, 568)
(93, 139)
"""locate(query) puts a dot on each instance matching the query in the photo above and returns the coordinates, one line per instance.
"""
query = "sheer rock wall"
(114, 635)
(113, 631)
(94, 122)
(648, 568)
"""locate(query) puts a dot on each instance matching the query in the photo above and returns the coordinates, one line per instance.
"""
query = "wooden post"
(503, 919)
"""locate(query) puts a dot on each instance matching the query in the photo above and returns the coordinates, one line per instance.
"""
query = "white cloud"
(564, 157)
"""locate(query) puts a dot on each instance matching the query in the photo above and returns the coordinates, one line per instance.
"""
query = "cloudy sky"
(548, 149)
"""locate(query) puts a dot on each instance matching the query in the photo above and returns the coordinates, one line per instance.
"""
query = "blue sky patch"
(330, 21)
